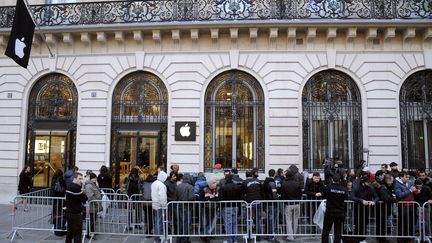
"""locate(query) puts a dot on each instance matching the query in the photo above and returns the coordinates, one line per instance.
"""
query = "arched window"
(51, 127)
(416, 120)
(234, 122)
(139, 125)
(331, 120)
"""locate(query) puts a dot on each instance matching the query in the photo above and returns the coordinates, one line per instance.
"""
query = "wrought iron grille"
(416, 120)
(53, 98)
(234, 122)
(331, 120)
(88, 13)
(140, 98)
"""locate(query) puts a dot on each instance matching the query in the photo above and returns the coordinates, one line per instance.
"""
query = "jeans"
(230, 220)
(184, 221)
(292, 214)
(272, 218)
(158, 224)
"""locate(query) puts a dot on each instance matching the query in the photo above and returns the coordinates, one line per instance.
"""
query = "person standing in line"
(171, 185)
(148, 211)
(185, 193)
(291, 190)
(231, 192)
(58, 189)
(75, 198)
(334, 215)
(253, 190)
(406, 210)
(270, 193)
(93, 193)
(104, 178)
(159, 202)
(25, 184)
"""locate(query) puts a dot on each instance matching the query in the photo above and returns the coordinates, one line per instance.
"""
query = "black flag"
(21, 36)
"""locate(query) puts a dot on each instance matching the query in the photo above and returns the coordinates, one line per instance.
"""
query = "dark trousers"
(361, 217)
(92, 222)
(74, 227)
(406, 219)
(383, 211)
(148, 217)
(329, 221)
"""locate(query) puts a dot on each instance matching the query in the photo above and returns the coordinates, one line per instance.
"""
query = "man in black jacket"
(336, 195)
(75, 197)
(231, 192)
(314, 189)
(290, 190)
(253, 189)
(270, 193)
(171, 185)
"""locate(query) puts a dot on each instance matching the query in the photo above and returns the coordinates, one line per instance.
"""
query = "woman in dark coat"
(104, 178)
(58, 190)
(25, 184)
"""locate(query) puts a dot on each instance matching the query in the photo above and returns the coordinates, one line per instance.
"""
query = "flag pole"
(38, 28)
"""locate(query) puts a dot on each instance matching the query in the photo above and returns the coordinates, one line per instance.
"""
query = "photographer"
(332, 168)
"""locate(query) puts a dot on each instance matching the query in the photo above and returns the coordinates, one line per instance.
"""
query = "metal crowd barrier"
(284, 218)
(121, 215)
(207, 219)
(39, 193)
(38, 213)
(383, 220)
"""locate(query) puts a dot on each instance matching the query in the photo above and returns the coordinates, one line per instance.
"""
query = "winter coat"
(385, 196)
(231, 192)
(424, 195)
(159, 192)
(270, 189)
(25, 183)
(171, 190)
(313, 188)
(200, 184)
(104, 181)
(93, 193)
(253, 189)
(62, 183)
(290, 190)
(402, 190)
(366, 193)
(146, 188)
(297, 176)
(336, 195)
(185, 190)
(133, 185)
(75, 199)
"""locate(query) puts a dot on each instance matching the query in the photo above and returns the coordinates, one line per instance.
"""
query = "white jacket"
(159, 191)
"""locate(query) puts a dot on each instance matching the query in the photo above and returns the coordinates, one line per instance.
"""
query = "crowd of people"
(380, 190)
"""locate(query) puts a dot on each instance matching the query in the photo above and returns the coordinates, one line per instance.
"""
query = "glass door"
(50, 154)
(135, 149)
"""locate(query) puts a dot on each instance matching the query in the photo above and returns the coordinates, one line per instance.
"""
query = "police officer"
(75, 198)
(336, 195)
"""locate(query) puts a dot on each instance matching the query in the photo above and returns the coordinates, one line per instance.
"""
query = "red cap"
(217, 166)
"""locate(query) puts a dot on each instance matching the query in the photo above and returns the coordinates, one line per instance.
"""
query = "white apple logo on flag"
(185, 130)
(19, 47)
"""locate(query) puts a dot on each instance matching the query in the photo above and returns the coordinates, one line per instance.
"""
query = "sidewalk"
(49, 237)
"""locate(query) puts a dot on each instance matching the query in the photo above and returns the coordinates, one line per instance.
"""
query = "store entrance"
(140, 149)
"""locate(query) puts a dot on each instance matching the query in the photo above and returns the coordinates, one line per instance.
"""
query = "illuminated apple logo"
(185, 130)
(19, 47)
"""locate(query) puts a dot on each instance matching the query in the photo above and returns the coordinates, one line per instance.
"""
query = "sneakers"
(290, 238)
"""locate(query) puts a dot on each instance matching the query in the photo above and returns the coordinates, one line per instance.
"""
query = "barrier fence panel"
(427, 218)
(207, 219)
(288, 219)
(38, 213)
(113, 219)
(383, 220)
(107, 190)
(46, 192)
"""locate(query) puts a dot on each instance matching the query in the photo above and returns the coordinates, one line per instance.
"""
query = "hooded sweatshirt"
(159, 191)
(297, 176)
(185, 190)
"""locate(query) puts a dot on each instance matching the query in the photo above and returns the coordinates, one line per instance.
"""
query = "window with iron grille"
(234, 122)
(416, 120)
(331, 120)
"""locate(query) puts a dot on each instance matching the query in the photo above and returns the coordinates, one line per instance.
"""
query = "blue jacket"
(200, 184)
(68, 176)
(401, 190)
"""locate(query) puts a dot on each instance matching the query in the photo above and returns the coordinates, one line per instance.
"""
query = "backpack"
(58, 188)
